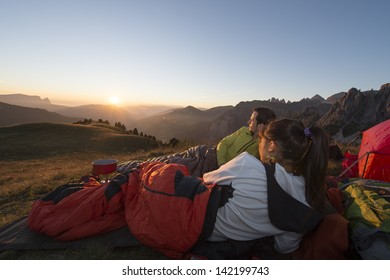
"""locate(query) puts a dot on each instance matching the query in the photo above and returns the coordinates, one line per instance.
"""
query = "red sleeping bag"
(75, 211)
(161, 204)
(165, 207)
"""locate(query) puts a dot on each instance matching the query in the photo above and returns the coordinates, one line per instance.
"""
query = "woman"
(300, 156)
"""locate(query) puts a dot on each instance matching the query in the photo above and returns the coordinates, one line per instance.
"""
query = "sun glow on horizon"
(114, 100)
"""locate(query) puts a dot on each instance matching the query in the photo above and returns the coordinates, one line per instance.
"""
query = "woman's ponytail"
(314, 165)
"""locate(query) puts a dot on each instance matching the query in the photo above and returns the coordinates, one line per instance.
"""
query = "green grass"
(39, 140)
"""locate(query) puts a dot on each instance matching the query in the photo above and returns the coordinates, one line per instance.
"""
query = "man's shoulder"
(243, 129)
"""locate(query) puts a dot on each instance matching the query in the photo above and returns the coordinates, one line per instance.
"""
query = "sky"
(200, 53)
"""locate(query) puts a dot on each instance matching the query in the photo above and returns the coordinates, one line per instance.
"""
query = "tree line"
(172, 142)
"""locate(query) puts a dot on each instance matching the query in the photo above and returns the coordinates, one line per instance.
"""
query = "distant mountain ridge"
(111, 113)
(343, 115)
(13, 115)
(187, 123)
(31, 101)
(126, 114)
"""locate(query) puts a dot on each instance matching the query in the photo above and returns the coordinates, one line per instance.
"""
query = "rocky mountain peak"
(318, 97)
(356, 112)
(385, 87)
(276, 100)
(353, 91)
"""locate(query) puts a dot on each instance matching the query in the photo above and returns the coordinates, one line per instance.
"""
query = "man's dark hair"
(264, 115)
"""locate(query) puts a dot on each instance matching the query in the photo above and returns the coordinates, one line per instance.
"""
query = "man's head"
(260, 117)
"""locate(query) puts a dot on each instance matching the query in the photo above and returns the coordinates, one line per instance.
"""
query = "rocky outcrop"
(355, 112)
(335, 97)
(343, 115)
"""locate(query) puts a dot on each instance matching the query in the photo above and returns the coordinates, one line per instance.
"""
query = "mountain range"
(342, 115)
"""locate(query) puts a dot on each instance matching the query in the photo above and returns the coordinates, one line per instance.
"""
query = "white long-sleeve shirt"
(245, 215)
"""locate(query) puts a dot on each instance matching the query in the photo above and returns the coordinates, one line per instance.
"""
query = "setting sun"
(114, 100)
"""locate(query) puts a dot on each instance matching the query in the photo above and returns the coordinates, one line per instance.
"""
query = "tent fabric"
(374, 153)
(349, 166)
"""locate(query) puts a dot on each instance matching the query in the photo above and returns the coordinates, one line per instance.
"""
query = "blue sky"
(201, 53)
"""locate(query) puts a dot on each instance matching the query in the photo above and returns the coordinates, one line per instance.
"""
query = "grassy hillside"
(39, 140)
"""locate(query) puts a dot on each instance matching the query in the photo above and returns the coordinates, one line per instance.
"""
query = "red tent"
(374, 153)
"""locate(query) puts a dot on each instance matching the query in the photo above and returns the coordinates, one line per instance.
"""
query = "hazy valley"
(342, 114)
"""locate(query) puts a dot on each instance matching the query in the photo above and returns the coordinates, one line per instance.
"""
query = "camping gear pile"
(366, 189)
